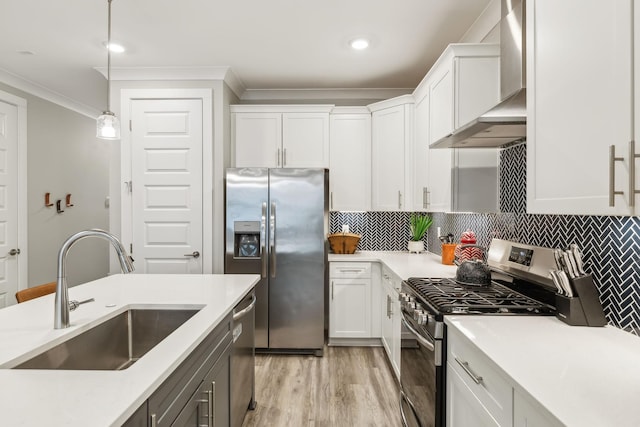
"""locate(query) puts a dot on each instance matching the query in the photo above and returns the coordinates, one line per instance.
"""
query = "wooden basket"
(344, 243)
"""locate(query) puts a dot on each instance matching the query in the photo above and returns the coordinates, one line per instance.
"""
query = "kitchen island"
(105, 398)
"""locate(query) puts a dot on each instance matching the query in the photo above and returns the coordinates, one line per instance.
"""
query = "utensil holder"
(584, 309)
(448, 253)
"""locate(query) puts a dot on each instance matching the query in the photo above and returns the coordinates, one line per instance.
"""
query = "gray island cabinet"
(197, 392)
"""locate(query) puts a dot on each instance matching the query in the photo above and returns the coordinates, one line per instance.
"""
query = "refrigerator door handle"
(263, 238)
(272, 238)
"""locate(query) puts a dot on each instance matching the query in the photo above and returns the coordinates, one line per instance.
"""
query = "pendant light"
(108, 125)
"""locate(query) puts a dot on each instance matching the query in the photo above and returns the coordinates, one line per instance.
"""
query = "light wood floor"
(348, 386)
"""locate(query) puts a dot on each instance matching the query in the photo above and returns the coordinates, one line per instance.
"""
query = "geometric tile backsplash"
(610, 244)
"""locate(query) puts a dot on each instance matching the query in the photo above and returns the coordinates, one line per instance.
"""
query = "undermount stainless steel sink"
(114, 344)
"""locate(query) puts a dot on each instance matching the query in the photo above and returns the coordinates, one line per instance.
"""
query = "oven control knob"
(420, 317)
(411, 305)
(406, 298)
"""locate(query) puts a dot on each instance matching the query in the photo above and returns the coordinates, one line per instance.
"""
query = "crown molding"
(35, 89)
(223, 73)
(302, 95)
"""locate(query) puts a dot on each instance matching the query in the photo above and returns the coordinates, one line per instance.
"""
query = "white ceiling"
(269, 44)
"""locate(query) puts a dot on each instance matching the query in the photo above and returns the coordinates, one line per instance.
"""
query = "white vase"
(415, 246)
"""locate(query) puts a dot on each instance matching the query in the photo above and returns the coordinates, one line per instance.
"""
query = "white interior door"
(166, 163)
(9, 256)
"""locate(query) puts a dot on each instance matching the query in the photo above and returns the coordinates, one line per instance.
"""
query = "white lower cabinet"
(391, 315)
(474, 381)
(350, 300)
(463, 406)
(480, 394)
(529, 413)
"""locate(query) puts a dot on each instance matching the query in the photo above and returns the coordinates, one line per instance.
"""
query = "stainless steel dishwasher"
(243, 360)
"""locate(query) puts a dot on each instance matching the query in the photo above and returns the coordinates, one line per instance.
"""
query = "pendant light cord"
(109, 59)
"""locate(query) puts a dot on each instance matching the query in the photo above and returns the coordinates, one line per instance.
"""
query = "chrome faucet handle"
(75, 304)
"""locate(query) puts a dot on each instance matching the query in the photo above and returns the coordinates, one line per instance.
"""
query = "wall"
(64, 156)
(610, 245)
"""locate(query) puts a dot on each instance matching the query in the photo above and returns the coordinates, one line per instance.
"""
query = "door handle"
(272, 238)
(240, 314)
(465, 366)
(13, 252)
(612, 175)
(429, 345)
(195, 255)
(263, 239)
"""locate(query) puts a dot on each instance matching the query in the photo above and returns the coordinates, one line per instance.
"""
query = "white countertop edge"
(581, 375)
(402, 263)
(120, 393)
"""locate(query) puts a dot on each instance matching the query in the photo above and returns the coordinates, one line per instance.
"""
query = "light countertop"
(81, 398)
(404, 264)
(584, 376)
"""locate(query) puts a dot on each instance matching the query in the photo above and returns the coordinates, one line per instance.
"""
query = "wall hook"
(47, 201)
(58, 208)
(68, 200)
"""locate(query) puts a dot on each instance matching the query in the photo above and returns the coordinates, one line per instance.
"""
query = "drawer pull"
(352, 271)
(465, 365)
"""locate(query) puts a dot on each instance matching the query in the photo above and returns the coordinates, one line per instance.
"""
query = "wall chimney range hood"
(507, 121)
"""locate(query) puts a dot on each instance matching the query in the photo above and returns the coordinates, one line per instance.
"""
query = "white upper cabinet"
(350, 159)
(580, 100)
(391, 154)
(281, 135)
(464, 83)
(258, 139)
(431, 168)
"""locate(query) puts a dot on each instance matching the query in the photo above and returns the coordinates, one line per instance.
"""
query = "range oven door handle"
(429, 344)
(403, 416)
(237, 315)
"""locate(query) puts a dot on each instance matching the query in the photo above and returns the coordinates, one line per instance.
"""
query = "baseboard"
(355, 342)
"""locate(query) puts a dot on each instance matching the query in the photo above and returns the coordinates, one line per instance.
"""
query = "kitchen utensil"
(473, 272)
(577, 255)
(568, 267)
(448, 250)
(556, 281)
(565, 283)
(557, 255)
(573, 263)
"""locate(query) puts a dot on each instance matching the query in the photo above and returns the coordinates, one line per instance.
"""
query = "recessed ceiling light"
(114, 47)
(360, 44)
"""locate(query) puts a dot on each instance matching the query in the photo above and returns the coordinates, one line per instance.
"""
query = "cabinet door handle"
(212, 408)
(284, 157)
(612, 175)
(331, 200)
(278, 157)
(465, 365)
(399, 199)
(332, 290)
(632, 173)
(152, 421)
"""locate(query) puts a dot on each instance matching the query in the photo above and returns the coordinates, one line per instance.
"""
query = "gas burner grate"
(449, 297)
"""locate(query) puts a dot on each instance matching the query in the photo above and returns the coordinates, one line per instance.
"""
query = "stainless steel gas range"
(519, 286)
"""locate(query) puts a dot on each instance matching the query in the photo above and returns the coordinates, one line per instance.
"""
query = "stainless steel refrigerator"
(276, 226)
